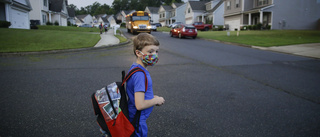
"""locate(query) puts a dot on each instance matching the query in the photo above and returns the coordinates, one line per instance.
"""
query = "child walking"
(145, 48)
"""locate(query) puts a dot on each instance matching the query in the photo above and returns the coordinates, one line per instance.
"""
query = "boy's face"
(147, 50)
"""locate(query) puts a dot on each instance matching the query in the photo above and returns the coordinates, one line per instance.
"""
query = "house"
(177, 13)
(124, 13)
(111, 20)
(118, 18)
(40, 12)
(51, 11)
(84, 19)
(164, 15)
(16, 12)
(214, 12)
(59, 12)
(71, 16)
(278, 14)
(153, 11)
(98, 19)
(194, 11)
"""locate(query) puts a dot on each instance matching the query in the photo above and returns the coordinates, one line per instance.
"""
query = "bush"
(268, 27)
(49, 23)
(259, 26)
(5, 24)
(56, 23)
(123, 25)
(217, 27)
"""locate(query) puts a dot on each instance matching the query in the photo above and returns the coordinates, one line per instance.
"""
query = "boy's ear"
(137, 52)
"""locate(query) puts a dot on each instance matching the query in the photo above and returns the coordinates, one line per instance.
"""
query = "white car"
(153, 27)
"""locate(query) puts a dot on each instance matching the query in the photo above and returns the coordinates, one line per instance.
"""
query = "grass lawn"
(264, 38)
(47, 38)
(165, 29)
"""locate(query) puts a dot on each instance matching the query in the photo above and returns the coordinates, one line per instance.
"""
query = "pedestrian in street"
(146, 51)
(100, 27)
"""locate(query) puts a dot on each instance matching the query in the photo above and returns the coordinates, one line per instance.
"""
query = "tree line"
(118, 5)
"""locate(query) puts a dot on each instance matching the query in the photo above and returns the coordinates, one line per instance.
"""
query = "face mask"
(150, 60)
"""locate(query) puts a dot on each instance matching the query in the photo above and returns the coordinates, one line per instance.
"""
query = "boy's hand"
(159, 100)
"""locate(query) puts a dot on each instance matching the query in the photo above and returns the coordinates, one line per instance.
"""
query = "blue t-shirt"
(137, 84)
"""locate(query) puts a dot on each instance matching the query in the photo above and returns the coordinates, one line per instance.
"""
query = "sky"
(84, 3)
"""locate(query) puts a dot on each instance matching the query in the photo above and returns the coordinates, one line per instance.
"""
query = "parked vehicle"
(158, 24)
(86, 25)
(202, 26)
(182, 30)
(174, 24)
(153, 27)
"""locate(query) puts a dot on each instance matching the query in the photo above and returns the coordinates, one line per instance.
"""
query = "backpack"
(109, 117)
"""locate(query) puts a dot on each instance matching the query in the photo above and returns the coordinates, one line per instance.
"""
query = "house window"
(163, 15)
(160, 15)
(189, 10)
(228, 5)
(261, 2)
(237, 3)
(45, 3)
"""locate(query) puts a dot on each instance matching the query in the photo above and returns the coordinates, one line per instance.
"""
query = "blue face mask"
(150, 60)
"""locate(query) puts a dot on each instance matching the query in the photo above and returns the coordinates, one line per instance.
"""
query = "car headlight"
(135, 27)
(149, 27)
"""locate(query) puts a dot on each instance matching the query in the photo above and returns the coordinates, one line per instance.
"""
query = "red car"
(182, 30)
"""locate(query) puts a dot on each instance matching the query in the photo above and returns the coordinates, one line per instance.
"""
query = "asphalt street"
(211, 89)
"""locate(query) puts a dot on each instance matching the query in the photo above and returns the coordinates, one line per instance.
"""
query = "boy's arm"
(141, 103)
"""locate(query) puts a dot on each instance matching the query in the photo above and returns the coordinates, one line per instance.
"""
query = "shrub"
(56, 23)
(5, 24)
(217, 27)
(259, 26)
(269, 27)
(49, 23)
(123, 25)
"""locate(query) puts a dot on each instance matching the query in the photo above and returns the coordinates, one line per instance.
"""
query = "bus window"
(140, 18)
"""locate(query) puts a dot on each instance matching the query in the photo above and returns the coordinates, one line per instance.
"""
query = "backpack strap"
(134, 70)
(136, 119)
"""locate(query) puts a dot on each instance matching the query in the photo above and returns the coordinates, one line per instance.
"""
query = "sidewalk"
(107, 39)
(308, 50)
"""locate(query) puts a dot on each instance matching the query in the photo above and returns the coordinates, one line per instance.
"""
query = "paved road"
(211, 89)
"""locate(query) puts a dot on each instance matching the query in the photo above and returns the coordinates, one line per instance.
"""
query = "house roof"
(167, 7)
(153, 9)
(105, 19)
(178, 4)
(82, 16)
(71, 12)
(217, 6)
(198, 5)
(55, 5)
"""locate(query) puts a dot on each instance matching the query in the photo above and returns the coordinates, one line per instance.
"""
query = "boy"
(145, 47)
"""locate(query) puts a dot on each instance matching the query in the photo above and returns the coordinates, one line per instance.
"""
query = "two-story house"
(98, 19)
(153, 11)
(124, 14)
(214, 12)
(194, 11)
(177, 13)
(49, 11)
(84, 19)
(59, 12)
(279, 14)
(40, 11)
(164, 15)
(16, 12)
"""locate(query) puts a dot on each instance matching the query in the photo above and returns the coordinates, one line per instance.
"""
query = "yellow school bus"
(138, 21)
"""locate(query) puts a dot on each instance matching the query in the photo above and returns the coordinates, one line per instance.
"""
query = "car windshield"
(134, 18)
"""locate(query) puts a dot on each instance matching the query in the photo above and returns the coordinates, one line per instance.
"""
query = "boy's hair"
(143, 40)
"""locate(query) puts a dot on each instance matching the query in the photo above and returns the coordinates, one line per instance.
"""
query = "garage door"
(63, 21)
(233, 22)
(19, 19)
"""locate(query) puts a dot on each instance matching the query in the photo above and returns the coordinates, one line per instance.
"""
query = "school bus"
(138, 21)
